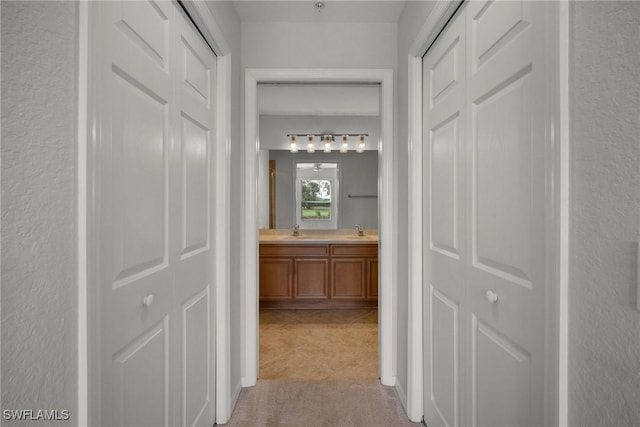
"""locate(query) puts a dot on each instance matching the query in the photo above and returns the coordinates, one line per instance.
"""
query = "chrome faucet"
(360, 230)
(296, 230)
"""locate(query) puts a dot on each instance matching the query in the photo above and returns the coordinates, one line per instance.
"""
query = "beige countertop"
(349, 235)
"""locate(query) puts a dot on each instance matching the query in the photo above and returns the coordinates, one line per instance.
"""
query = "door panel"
(501, 181)
(347, 278)
(276, 276)
(195, 186)
(486, 278)
(194, 90)
(153, 173)
(141, 379)
(502, 382)
(311, 278)
(196, 351)
(445, 191)
(444, 207)
(445, 355)
(140, 179)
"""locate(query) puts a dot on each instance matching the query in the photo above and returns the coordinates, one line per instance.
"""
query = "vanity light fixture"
(327, 140)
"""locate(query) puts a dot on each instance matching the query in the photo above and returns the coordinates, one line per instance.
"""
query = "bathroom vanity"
(318, 269)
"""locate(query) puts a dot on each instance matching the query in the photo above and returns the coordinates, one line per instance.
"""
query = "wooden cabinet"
(304, 275)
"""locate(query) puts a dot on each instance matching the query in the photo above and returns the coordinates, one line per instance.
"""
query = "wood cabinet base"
(318, 276)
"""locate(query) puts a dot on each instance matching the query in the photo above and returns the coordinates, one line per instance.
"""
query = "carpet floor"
(318, 404)
(319, 345)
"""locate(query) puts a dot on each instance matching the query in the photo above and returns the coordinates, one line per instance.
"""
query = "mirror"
(318, 109)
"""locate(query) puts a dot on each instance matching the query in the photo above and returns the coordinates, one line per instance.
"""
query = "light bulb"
(327, 143)
(345, 144)
(310, 147)
(361, 145)
(293, 146)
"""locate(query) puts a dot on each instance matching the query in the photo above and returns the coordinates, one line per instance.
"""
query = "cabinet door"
(311, 278)
(348, 278)
(276, 278)
(372, 278)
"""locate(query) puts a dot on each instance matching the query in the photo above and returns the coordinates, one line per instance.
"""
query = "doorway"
(386, 212)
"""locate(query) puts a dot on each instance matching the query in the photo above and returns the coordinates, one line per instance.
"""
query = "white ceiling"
(333, 11)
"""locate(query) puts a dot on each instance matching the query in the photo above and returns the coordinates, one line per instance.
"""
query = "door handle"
(491, 296)
(147, 300)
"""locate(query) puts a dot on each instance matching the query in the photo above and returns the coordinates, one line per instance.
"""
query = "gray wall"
(358, 175)
(604, 324)
(39, 283)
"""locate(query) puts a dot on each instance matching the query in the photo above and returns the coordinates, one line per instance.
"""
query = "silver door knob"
(148, 300)
(492, 297)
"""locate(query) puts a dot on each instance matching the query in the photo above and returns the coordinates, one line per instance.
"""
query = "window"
(317, 195)
(316, 199)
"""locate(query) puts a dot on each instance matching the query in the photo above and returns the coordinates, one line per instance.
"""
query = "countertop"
(348, 235)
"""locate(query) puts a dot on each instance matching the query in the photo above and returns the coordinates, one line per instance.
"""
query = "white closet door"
(486, 296)
(445, 225)
(195, 84)
(152, 180)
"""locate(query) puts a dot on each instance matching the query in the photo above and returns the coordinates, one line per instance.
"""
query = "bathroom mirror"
(318, 109)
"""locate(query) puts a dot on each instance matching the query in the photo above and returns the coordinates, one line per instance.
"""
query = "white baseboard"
(402, 394)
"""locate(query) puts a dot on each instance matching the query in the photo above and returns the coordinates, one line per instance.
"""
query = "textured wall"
(39, 290)
(604, 345)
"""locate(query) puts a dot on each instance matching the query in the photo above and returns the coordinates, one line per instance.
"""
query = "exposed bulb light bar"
(328, 140)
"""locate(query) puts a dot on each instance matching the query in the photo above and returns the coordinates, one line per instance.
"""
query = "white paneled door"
(153, 157)
(485, 217)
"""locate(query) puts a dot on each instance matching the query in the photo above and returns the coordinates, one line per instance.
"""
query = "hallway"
(129, 187)
(318, 404)
(319, 368)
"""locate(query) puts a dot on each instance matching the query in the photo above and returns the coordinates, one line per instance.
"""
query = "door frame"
(89, 381)
(387, 313)
(556, 335)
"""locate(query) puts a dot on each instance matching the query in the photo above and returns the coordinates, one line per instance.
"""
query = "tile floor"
(319, 345)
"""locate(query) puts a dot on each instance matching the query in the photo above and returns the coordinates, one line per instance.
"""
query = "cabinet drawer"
(354, 250)
(296, 250)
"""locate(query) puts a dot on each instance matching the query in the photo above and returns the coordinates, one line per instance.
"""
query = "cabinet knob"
(148, 300)
(491, 296)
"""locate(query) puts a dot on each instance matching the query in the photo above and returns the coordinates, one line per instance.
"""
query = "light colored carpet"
(318, 404)
(319, 345)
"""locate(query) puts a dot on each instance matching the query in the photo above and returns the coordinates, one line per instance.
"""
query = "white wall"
(318, 45)
(604, 334)
(39, 287)
(413, 17)
(227, 18)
